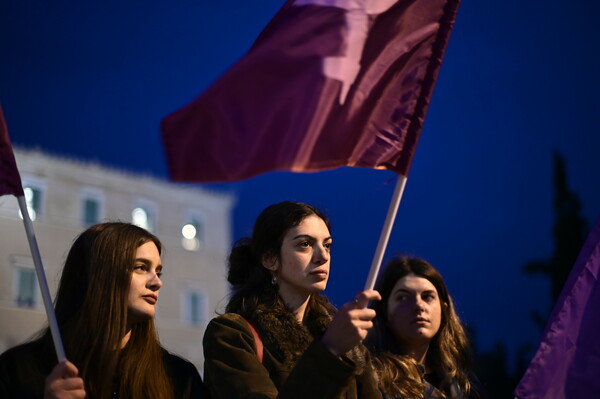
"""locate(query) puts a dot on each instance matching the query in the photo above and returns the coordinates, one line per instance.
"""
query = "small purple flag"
(567, 362)
(10, 181)
(328, 83)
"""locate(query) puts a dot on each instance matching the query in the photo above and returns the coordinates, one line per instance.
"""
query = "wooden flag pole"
(385, 232)
(41, 276)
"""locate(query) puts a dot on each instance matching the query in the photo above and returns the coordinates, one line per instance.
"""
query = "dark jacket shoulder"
(232, 369)
(184, 376)
(23, 370)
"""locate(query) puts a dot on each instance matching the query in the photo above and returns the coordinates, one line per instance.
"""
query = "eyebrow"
(310, 237)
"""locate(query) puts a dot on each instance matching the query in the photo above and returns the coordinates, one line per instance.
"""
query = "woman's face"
(303, 265)
(145, 283)
(414, 311)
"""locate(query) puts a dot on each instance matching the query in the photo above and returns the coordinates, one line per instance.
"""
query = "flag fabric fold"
(328, 83)
(567, 362)
(10, 180)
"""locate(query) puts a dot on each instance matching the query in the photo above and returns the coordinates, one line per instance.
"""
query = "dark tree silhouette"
(569, 232)
(492, 369)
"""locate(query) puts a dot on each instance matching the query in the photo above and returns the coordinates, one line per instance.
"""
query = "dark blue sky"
(92, 80)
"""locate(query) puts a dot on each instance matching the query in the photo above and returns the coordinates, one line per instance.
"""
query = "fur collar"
(287, 339)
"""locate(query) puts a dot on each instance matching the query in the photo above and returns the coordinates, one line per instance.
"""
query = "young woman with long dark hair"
(280, 337)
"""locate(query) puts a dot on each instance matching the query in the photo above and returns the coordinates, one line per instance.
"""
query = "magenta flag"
(328, 83)
(567, 362)
(10, 181)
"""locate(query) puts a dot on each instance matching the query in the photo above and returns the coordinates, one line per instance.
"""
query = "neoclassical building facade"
(65, 196)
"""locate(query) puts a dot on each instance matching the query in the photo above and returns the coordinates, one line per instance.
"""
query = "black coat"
(24, 368)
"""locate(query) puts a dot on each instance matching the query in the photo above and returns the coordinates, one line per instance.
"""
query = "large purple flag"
(10, 181)
(567, 362)
(328, 83)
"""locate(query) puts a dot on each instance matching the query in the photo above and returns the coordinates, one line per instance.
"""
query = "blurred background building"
(66, 196)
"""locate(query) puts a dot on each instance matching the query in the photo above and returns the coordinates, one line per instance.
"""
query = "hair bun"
(241, 263)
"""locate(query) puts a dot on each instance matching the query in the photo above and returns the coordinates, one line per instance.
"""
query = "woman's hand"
(351, 323)
(64, 382)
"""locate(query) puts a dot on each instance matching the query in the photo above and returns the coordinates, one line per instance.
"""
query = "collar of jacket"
(287, 339)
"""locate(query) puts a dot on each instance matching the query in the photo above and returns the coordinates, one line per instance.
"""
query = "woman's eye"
(327, 245)
(305, 244)
(140, 267)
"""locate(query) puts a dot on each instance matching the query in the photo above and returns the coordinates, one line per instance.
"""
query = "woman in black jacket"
(105, 309)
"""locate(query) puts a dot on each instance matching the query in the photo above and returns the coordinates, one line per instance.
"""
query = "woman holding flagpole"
(105, 309)
(419, 347)
(280, 336)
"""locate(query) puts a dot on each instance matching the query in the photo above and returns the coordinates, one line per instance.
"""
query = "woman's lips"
(322, 274)
(151, 299)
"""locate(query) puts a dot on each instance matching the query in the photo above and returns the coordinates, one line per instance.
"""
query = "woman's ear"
(269, 261)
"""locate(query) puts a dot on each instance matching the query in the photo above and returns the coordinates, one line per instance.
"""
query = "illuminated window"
(143, 218)
(33, 198)
(192, 234)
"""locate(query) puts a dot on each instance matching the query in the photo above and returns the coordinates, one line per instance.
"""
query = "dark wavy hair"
(250, 280)
(91, 310)
(449, 354)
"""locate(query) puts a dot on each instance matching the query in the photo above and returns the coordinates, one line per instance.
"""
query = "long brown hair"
(91, 310)
(449, 353)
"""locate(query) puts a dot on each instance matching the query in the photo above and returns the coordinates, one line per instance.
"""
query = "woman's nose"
(320, 255)
(419, 305)
(155, 282)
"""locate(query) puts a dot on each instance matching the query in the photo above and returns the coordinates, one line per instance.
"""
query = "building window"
(142, 217)
(194, 308)
(144, 214)
(91, 211)
(192, 234)
(92, 206)
(33, 198)
(25, 288)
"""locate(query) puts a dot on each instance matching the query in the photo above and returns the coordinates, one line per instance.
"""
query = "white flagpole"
(39, 269)
(385, 232)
